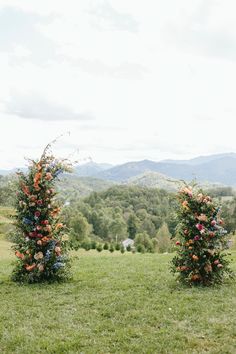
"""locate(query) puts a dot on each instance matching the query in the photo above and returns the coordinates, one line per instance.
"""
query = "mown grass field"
(115, 304)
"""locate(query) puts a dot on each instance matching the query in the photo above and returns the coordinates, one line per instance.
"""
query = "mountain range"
(215, 169)
(220, 169)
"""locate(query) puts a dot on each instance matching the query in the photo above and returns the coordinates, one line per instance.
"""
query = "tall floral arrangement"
(40, 249)
(202, 239)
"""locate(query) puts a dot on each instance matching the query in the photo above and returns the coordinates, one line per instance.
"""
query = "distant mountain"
(219, 169)
(214, 169)
(154, 180)
(74, 187)
(158, 180)
(201, 159)
(12, 171)
(91, 169)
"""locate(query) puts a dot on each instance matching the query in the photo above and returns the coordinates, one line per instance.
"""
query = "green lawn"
(115, 304)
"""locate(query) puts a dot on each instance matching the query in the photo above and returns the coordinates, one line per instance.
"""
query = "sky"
(129, 79)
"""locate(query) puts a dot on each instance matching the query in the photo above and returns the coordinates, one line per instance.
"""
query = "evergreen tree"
(202, 239)
(163, 238)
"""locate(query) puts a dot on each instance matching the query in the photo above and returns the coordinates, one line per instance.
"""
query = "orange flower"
(25, 189)
(48, 176)
(45, 240)
(185, 205)
(37, 179)
(19, 255)
(195, 258)
(30, 267)
(195, 277)
(59, 226)
(55, 211)
(202, 217)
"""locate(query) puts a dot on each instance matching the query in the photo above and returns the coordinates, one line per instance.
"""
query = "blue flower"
(27, 221)
(58, 265)
(58, 172)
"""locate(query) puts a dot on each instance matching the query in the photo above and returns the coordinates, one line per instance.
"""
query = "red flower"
(40, 202)
(37, 214)
(177, 243)
(33, 234)
(200, 227)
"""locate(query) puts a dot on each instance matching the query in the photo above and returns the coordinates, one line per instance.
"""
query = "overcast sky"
(129, 79)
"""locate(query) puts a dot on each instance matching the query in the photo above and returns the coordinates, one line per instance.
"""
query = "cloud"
(34, 106)
(21, 38)
(106, 17)
(125, 70)
(208, 31)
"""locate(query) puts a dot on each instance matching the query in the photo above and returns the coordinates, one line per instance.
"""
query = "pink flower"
(200, 227)
(177, 243)
(40, 202)
(213, 223)
(196, 238)
(37, 214)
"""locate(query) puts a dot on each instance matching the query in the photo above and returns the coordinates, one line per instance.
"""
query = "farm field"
(115, 304)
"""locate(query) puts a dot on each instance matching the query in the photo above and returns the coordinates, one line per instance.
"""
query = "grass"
(115, 304)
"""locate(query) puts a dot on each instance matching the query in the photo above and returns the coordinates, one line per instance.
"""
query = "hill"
(214, 169)
(91, 169)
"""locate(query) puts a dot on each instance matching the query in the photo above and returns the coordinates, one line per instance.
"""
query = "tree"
(132, 226)
(80, 228)
(163, 238)
(117, 229)
(202, 239)
(40, 248)
(144, 240)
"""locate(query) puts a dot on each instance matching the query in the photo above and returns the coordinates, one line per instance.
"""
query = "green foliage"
(142, 239)
(79, 226)
(40, 248)
(117, 247)
(132, 226)
(128, 248)
(229, 215)
(163, 239)
(106, 246)
(99, 248)
(111, 248)
(202, 240)
(8, 188)
(93, 245)
(122, 249)
(140, 248)
(124, 211)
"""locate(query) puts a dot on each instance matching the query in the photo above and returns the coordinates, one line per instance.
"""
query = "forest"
(98, 214)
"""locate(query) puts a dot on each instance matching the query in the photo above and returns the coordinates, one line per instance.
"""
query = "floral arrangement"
(202, 239)
(40, 249)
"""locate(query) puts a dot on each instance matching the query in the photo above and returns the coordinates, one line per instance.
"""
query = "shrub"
(99, 248)
(106, 246)
(117, 247)
(111, 248)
